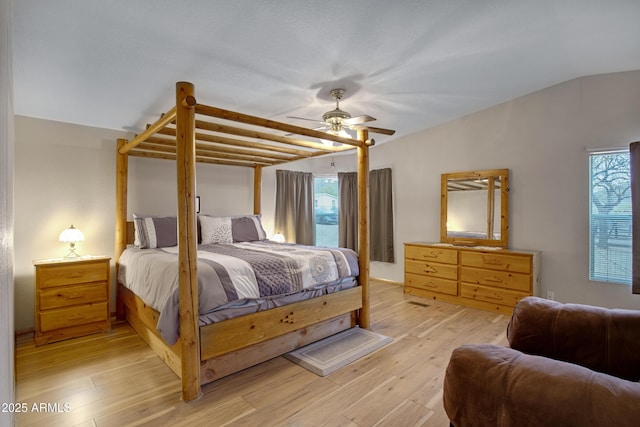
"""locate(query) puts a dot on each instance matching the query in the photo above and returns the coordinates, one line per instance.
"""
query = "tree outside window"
(610, 217)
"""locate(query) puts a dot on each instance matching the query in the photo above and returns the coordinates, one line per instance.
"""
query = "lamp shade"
(71, 234)
(279, 238)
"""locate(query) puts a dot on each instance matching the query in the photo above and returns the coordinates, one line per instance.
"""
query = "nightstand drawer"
(434, 269)
(72, 316)
(72, 295)
(70, 274)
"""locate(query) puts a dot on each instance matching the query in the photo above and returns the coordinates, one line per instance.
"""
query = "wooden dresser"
(487, 279)
(71, 298)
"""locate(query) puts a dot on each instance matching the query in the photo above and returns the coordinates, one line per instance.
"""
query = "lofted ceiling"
(412, 64)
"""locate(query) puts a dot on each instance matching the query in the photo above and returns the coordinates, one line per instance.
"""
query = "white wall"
(66, 174)
(542, 139)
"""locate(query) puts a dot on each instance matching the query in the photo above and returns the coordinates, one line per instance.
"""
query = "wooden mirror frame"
(490, 175)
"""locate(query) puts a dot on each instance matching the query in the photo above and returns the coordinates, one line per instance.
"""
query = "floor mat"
(332, 353)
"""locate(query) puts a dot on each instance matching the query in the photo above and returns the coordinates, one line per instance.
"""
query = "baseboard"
(391, 282)
(24, 334)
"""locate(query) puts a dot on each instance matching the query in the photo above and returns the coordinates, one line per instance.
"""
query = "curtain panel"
(380, 213)
(348, 210)
(294, 206)
(634, 157)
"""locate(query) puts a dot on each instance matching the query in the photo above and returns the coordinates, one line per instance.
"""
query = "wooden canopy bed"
(206, 353)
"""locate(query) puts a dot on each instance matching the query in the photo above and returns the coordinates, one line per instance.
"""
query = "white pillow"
(215, 229)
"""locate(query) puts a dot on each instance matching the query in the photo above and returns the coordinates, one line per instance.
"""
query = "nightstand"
(72, 298)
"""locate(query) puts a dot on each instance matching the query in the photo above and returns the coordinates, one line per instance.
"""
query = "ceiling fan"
(336, 120)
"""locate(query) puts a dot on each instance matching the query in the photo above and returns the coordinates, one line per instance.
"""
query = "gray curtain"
(348, 210)
(294, 206)
(380, 213)
(634, 155)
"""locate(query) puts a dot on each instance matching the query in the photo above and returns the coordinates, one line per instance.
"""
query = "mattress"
(236, 279)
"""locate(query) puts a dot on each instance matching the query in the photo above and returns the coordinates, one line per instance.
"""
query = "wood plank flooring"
(114, 379)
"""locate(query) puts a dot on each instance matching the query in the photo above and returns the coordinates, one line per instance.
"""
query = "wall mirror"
(474, 208)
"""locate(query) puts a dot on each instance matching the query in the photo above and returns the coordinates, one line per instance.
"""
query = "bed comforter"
(229, 273)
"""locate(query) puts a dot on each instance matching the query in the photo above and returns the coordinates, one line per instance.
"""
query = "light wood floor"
(114, 379)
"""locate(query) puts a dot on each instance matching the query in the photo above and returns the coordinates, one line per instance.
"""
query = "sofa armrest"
(601, 339)
(488, 385)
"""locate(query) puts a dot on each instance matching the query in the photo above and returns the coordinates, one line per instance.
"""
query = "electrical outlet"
(551, 295)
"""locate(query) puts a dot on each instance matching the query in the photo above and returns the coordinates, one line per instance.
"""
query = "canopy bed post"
(187, 241)
(122, 175)
(363, 226)
(257, 189)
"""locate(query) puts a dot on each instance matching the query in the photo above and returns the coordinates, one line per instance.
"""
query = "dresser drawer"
(515, 281)
(492, 295)
(432, 269)
(496, 261)
(430, 253)
(72, 295)
(72, 316)
(71, 273)
(433, 284)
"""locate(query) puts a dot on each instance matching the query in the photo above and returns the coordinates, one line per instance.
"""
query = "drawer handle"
(431, 254)
(74, 295)
(74, 317)
(492, 261)
(493, 279)
(431, 285)
(74, 275)
(429, 269)
(495, 296)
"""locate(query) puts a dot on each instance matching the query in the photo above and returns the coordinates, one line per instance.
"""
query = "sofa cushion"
(488, 385)
(605, 340)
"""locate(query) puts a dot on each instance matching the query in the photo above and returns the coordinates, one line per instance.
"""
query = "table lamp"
(278, 237)
(71, 235)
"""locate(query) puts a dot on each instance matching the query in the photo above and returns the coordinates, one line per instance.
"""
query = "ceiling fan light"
(327, 142)
(343, 133)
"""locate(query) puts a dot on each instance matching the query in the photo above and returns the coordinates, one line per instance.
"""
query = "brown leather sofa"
(568, 365)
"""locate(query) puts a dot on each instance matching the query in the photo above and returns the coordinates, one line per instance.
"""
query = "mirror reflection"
(475, 208)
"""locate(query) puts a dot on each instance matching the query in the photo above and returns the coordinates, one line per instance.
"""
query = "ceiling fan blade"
(376, 130)
(304, 118)
(358, 119)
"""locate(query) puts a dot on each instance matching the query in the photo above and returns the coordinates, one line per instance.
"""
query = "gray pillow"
(247, 229)
(156, 232)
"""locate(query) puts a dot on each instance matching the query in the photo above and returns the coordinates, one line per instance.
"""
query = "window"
(325, 209)
(610, 217)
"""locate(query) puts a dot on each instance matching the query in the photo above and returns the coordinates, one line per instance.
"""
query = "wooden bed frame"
(206, 353)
